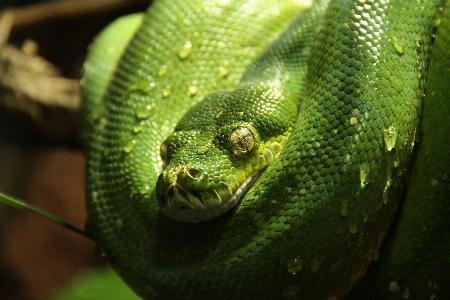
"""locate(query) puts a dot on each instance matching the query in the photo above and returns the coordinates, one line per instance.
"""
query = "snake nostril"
(192, 173)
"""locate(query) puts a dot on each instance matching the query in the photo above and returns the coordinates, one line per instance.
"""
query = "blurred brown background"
(36, 165)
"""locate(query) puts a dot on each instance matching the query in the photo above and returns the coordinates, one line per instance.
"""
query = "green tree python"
(280, 134)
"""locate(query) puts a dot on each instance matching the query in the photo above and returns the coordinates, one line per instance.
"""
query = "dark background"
(37, 256)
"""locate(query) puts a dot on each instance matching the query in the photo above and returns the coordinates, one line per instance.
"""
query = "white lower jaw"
(183, 211)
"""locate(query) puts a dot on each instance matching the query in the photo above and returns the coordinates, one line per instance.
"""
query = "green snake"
(284, 131)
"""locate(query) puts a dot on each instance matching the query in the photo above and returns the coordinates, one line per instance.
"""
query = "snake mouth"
(193, 206)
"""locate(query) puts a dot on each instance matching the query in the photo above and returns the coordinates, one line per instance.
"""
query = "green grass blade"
(8, 200)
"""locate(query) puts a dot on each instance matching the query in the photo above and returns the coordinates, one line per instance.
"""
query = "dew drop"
(434, 181)
(388, 184)
(223, 72)
(192, 90)
(365, 217)
(144, 112)
(128, 147)
(393, 286)
(385, 194)
(397, 46)
(185, 51)
(390, 137)
(162, 70)
(138, 128)
(166, 90)
(364, 170)
(418, 42)
(94, 196)
(295, 265)
(102, 123)
(144, 189)
(405, 293)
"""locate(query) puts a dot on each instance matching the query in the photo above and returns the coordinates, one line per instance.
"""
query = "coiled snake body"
(320, 102)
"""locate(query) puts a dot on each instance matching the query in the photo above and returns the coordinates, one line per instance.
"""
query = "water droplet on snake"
(144, 189)
(405, 293)
(223, 72)
(364, 170)
(144, 112)
(94, 196)
(166, 91)
(192, 90)
(162, 70)
(393, 286)
(138, 128)
(398, 48)
(128, 147)
(185, 51)
(390, 137)
(102, 123)
(434, 181)
(295, 265)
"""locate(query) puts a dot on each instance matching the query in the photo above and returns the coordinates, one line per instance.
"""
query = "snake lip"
(191, 205)
(194, 205)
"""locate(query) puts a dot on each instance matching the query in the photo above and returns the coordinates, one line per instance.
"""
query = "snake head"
(203, 179)
(217, 151)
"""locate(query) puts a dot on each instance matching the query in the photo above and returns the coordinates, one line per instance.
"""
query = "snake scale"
(315, 106)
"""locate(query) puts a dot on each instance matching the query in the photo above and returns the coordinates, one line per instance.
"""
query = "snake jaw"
(184, 196)
(187, 195)
(191, 205)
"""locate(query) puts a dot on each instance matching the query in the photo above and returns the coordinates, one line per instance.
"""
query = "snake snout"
(185, 194)
(182, 205)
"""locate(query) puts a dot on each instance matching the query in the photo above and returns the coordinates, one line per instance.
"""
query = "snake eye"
(242, 140)
(163, 153)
